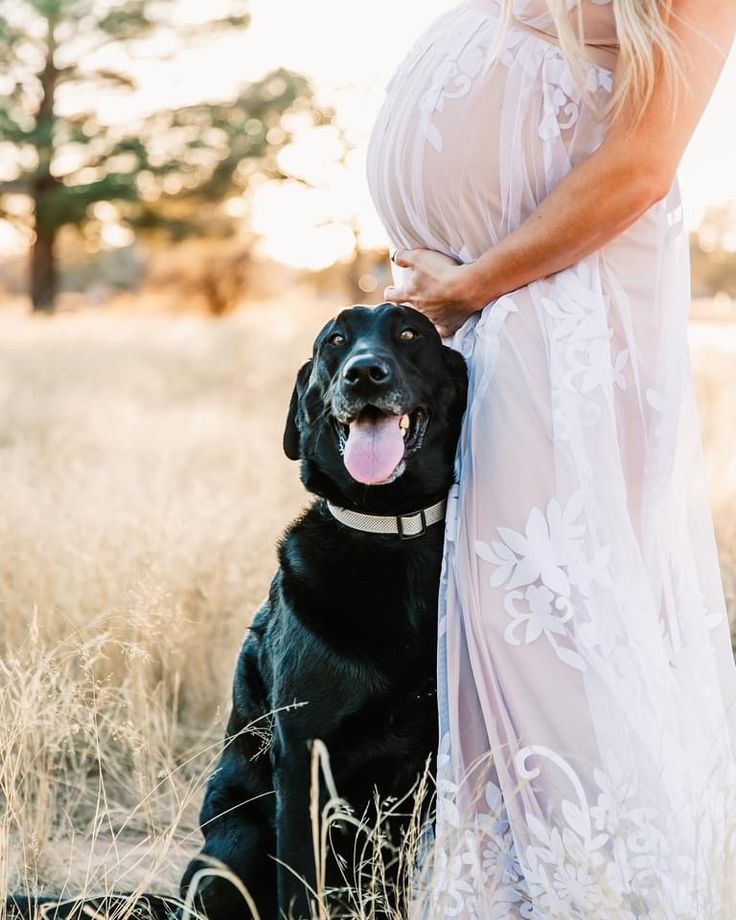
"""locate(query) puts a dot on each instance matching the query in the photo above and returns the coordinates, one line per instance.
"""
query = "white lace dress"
(586, 680)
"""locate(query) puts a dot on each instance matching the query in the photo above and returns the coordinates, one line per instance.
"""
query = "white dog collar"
(407, 526)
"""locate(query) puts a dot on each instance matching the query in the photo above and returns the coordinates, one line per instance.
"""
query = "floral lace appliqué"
(454, 76)
(548, 561)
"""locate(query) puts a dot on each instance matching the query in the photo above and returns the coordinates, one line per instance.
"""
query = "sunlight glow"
(296, 229)
(11, 241)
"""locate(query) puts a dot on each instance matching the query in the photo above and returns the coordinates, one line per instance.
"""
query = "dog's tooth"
(405, 422)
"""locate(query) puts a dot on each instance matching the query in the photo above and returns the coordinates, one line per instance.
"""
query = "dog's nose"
(366, 369)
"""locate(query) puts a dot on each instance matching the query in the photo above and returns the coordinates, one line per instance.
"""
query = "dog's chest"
(375, 602)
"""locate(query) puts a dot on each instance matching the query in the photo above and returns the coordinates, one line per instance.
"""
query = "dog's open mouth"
(375, 444)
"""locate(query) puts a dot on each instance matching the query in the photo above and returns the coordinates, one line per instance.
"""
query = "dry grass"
(142, 489)
(714, 357)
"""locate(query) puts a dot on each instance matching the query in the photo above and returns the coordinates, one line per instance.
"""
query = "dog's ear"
(456, 364)
(291, 432)
(458, 370)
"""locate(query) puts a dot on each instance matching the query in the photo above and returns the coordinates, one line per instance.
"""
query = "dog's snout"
(366, 370)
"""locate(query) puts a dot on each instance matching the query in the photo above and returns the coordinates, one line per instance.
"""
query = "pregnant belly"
(462, 152)
(431, 167)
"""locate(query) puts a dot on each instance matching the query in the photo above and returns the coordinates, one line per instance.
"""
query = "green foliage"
(159, 171)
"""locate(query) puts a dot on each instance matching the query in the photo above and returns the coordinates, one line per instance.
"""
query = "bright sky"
(350, 48)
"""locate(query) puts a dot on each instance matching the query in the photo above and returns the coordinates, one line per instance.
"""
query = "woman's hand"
(437, 286)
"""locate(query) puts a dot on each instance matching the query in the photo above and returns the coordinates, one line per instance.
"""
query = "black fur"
(349, 626)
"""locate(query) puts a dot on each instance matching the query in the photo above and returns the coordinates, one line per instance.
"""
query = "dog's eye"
(337, 338)
(408, 335)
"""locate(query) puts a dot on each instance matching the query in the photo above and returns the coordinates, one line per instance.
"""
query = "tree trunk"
(43, 278)
(43, 270)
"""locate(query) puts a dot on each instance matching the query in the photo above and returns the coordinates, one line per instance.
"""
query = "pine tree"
(68, 163)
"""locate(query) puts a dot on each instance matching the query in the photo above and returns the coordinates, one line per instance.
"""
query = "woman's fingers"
(403, 258)
(395, 295)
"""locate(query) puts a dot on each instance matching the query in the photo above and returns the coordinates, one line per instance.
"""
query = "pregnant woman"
(524, 164)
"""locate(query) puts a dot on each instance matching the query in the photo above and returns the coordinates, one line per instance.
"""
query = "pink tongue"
(375, 447)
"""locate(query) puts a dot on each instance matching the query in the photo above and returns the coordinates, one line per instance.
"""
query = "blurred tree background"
(713, 248)
(169, 176)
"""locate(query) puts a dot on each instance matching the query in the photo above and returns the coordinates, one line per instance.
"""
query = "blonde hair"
(647, 46)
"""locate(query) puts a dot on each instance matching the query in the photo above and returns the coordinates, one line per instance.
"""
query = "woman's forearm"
(633, 169)
(599, 199)
(594, 203)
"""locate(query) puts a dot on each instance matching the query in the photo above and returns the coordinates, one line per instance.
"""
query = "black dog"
(349, 627)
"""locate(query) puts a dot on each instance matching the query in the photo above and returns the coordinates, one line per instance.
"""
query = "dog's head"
(375, 413)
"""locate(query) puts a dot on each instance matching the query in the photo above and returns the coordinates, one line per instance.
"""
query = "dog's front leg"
(297, 871)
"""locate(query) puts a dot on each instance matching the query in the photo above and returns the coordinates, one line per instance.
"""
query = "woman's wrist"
(476, 286)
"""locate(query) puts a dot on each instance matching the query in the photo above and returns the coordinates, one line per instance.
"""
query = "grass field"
(142, 489)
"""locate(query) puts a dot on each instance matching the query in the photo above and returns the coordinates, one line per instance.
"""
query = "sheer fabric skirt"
(587, 687)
